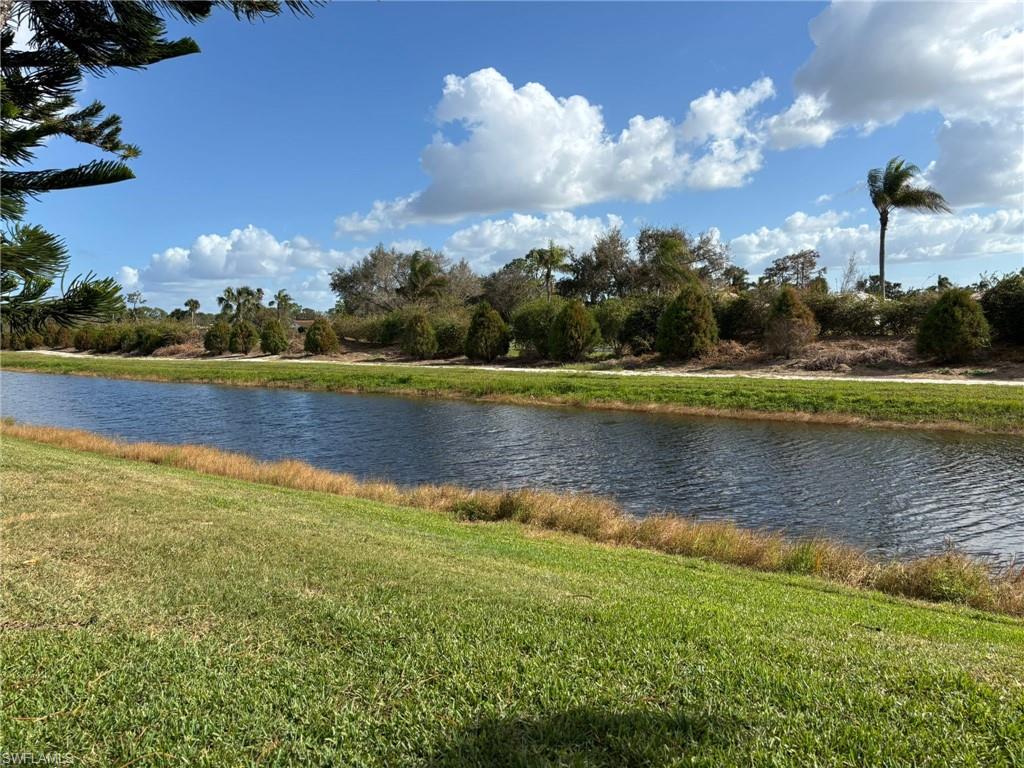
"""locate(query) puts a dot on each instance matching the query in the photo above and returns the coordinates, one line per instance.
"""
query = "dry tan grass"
(949, 577)
(833, 357)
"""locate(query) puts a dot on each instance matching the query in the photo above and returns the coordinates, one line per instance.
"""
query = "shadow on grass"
(585, 737)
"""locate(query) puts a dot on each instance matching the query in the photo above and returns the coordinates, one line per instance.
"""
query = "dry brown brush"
(948, 577)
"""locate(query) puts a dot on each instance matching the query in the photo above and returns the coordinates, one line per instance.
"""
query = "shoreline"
(971, 408)
(594, 518)
(553, 369)
(316, 628)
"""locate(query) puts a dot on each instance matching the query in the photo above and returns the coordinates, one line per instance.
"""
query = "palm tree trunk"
(883, 220)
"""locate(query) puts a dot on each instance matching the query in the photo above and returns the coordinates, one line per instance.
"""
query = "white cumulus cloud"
(525, 149)
(912, 237)
(875, 62)
(493, 242)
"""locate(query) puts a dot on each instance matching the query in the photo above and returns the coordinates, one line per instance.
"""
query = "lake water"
(894, 492)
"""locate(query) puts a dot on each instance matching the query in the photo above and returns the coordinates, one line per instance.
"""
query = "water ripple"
(893, 492)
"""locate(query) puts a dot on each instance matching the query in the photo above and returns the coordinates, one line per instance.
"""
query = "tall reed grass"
(948, 577)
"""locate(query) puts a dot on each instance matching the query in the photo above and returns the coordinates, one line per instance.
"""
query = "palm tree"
(241, 303)
(192, 305)
(227, 301)
(283, 302)
(425, 279)
(890, 188)
(549, 260)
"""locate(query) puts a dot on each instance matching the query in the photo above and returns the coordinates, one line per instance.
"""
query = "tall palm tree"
(192, 305)
(227, 301)
(283, 302)
(890, 188)
(549, 260)
(242, 303)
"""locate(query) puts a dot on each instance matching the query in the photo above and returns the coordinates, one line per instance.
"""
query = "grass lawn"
(976, 407)
(155, 616)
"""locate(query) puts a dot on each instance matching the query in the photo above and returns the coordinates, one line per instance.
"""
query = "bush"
(744, 317)
(611, 316)
(791, 325)
(218, 338)
(640, 328)
(904, 316)
(419, 339)
(574, 333)
(368, 328)
(687, 327)
(954, 328)
(488, 336)
(85, 338)
(391, 328)
(451, 338)
(1003, 305)
(56, 336)
(243, 338)
(321, 339)
(113, 338)
(843, 315)
(273, 339)
(143, 338)
(31, 340)
(531, 324)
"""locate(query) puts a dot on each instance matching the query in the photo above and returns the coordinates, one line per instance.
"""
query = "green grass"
(979, 407)
(156, 616)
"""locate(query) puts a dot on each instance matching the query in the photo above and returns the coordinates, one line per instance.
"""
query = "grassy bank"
(948, 577)
(157, 616)
(967, 407)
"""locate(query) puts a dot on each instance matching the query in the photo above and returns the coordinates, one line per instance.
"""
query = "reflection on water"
(894, 492)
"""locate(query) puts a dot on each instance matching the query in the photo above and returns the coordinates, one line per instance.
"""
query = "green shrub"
(574, 332)
(367, 328)
(85, 338)
(687, 327)
(640, 328)
(107, 337)
(273, 339)
(791, 325)
(1003, 305)
(903, 316)
(243, 338)
(218, 338)
(32, 340)
(954, 328)
(531, 324)
(488, 336)
(146, 338)
(744, 317)
(842, 315)
(451, 338)
(391, 328)
(611, 316)
(56, 336)
(321, 339)
(419, 339)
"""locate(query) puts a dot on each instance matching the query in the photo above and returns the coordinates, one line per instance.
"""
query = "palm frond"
(922, 199)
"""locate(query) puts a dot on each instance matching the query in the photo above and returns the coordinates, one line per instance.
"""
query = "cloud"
(822, 199)
(803, 124)
(250, 254)
(912, 237)
(493, 242)
(525, 149)
(873, 63)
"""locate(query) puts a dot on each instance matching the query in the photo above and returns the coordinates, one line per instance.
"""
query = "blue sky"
(263, 156)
